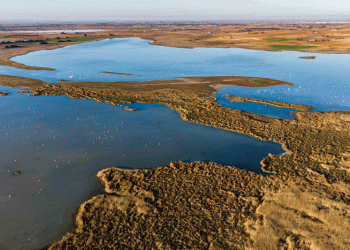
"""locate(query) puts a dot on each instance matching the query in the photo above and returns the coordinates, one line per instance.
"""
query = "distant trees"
(11, 46)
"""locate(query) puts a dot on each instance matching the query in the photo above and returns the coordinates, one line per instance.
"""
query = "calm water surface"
(322, 83)
(60, 144)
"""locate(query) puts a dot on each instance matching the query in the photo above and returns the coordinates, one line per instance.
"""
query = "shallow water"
(59, 144)
(323, 83)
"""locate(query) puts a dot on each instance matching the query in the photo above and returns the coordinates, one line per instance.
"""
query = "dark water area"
(59, 144)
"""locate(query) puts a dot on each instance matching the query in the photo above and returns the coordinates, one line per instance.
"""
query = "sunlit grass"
(290, 47)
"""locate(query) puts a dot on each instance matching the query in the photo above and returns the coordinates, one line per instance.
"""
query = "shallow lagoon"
(59, 144)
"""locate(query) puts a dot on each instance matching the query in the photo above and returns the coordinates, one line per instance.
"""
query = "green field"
(290, 47)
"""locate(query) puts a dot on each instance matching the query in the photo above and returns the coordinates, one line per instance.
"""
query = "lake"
(59, 144)
(322, 82)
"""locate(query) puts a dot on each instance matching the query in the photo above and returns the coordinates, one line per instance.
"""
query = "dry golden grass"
(295, 218)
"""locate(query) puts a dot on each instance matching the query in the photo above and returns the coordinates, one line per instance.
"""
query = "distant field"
(277, 40)
(290, 47)
(77, 39)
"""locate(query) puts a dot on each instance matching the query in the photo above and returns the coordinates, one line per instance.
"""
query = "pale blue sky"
(115, 10)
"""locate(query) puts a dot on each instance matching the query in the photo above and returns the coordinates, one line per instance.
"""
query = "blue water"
(323, 83)
(259, 108)
(59, 144)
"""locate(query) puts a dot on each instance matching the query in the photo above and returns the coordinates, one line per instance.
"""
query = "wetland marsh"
(83, 133)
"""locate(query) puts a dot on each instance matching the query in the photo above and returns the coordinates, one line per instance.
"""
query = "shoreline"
(327, 39)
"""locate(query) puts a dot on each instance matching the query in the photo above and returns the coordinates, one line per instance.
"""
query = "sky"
(178, 10)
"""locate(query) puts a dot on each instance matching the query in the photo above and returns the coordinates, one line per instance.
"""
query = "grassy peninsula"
(303, 204)
(299, 107)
